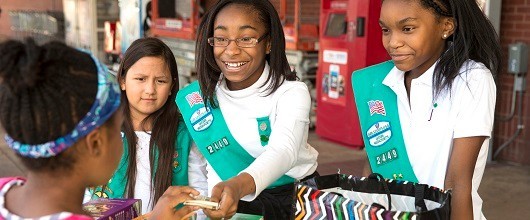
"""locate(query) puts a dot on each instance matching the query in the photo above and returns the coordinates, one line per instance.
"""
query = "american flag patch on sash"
(194, 98)
(376, 107)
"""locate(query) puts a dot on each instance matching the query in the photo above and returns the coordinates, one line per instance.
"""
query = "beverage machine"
(350, 39)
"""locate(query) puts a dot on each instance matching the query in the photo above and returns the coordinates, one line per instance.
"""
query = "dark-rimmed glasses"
(240, 42)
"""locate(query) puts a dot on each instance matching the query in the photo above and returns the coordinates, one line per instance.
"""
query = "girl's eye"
(220, 39)
(245, 39)
(385, 31)
(162, 81)
(408, 29)
(139, 79)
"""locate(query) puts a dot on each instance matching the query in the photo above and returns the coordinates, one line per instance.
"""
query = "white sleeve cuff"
(197, 170)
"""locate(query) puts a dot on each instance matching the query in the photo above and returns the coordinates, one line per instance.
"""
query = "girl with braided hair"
(427, 115)
(61, 111)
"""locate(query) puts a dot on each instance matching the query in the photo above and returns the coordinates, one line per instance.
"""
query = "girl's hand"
(228, 194)
(169, 206)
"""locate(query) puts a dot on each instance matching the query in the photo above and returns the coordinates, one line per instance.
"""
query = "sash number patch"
(217, 145)
(387, 157)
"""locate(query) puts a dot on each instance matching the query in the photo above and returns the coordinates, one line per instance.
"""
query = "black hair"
(207, 69)
(44, 92)
(474, 39)
(148, 8)
(164, 120)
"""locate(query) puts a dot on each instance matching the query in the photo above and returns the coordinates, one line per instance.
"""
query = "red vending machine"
(350, 39)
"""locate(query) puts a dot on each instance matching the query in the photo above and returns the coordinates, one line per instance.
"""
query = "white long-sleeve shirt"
(142, 189)
(287, 152)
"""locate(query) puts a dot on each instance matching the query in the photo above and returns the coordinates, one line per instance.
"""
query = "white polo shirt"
(430, 125)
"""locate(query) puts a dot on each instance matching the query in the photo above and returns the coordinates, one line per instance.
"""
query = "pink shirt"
(7, 182)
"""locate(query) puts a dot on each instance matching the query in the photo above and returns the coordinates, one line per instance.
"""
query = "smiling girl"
(248, 108)
(427, 115)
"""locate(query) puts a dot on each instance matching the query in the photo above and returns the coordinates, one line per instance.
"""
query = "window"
(336, 25)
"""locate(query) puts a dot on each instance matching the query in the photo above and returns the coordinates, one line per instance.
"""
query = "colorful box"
(113, 209)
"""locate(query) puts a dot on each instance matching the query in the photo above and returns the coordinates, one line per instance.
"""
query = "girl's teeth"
(235, 64)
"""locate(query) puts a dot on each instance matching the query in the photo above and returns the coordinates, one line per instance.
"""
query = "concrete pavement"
(505, 188)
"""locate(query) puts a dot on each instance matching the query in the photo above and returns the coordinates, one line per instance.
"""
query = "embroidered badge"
(263, 126)
(101, 191)
(264, 130)
(175, 162)
(379, 133)
(101, 194)
(201, 119)
(376, 107)
(397, 176)
(194, 98)
(264, 139)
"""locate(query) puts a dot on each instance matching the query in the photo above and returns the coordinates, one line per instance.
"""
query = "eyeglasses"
(240, 42)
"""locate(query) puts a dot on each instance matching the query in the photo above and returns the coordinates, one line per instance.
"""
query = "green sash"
(115, 188)
(380, 125)
(208, 129)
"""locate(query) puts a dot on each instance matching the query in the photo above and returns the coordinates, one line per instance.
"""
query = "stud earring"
(445, 36)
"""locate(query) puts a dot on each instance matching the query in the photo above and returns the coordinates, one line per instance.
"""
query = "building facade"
(514, 27)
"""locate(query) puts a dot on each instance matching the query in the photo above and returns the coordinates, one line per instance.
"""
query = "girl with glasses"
(247, 113)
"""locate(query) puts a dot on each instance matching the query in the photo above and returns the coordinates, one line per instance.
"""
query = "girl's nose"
(395, 41)
(232, 48)
(150, 88)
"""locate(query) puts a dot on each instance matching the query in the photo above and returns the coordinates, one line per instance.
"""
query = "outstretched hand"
(169, 206)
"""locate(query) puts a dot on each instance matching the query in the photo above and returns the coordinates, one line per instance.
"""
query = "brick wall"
(515, 27)
(13, 5)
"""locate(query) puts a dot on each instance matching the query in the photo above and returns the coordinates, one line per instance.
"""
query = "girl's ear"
(449, 26)
(173, 84)
(122, 84)
(94, 143)
(269, 46)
